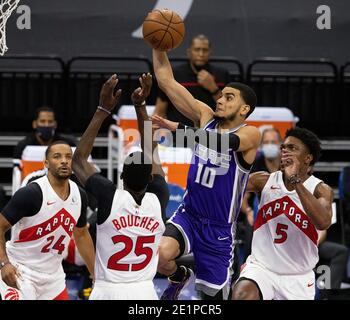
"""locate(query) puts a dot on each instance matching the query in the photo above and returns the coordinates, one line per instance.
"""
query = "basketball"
(163, 29)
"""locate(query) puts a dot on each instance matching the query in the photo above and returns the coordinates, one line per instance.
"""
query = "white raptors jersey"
(284, 239)
(127, 242)
(39, 241)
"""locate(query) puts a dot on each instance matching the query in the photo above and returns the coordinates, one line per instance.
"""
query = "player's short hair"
(43, 109)
(309, 139)
(137, 171)
(200, 37)
(47, 152)
(247, 93)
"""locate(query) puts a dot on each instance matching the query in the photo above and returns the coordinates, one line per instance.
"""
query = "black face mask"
(45, 133)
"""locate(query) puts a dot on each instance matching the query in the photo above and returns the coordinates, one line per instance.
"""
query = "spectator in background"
(44, 132)
(268, 160)
(202, 79)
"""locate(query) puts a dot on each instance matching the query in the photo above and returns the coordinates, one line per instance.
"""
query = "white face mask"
(270, 150)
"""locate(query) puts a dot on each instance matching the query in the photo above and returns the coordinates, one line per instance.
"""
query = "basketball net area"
(6, 8)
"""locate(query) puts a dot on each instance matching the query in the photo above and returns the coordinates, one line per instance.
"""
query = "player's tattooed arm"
(9, 272)
(109, 98)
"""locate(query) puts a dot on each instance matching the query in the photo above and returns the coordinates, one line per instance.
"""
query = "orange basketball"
(163, 29)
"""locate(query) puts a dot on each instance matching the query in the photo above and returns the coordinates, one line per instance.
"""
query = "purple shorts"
(212, 246)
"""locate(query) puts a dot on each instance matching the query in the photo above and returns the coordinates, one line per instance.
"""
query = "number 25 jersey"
(127, 241)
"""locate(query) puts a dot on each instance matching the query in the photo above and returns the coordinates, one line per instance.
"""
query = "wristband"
(140, 105)
(103, 109)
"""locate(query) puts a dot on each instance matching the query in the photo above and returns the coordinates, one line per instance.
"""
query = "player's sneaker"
(174, 288)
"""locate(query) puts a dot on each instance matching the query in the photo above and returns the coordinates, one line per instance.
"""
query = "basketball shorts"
(34, 285)
(211, 243)
(274, 286)
(143, 290)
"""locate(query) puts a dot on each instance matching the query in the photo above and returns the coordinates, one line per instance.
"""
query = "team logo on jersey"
(286, 206)
(11, 294)
(214, 157)
(61, 219)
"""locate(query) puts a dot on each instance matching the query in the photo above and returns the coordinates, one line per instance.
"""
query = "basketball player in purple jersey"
(205, 221)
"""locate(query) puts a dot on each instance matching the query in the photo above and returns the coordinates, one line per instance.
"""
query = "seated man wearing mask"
(44, 132)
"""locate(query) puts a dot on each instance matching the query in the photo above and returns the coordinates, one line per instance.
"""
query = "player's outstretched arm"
(108, 100)
(181, 98)
(138, 98)
(242, 141)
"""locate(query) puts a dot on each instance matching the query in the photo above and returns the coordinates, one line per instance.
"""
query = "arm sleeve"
(103, 190)
(159, 187)
(84, 202)
(212, 136)
(26, 202)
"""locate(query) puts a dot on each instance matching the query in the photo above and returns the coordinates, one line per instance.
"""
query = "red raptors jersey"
(39, 241)
(285, 239)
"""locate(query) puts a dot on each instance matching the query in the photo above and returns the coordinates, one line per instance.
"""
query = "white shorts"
(274, 286)
(143, 290)
(34, 285)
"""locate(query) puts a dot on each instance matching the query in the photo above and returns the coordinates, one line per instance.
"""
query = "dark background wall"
(243, 28)
(246, 29)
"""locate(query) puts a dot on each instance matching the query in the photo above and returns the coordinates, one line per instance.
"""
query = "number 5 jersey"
(284, 239)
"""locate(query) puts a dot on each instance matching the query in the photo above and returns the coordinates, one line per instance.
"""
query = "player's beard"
(230, 117)
(62, 176)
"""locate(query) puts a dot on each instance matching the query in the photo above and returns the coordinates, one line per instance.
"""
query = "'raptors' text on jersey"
(216, 182)
(285, 239)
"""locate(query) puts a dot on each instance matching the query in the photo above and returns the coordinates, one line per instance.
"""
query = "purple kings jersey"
(216, 182)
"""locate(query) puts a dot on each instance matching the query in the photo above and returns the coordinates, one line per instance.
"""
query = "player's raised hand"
(141, 93)
(290, 164)
(109, 97)
(159, 122)
(9, 275)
